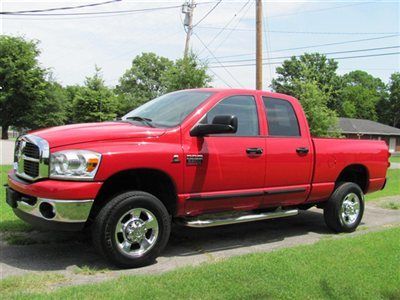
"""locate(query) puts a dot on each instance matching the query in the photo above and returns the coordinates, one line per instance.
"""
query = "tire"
(344, 209)
(122, 231)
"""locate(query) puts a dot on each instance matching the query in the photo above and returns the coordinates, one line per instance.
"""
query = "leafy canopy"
(95, 102)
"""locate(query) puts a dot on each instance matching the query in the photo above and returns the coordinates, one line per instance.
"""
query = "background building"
(370, 130)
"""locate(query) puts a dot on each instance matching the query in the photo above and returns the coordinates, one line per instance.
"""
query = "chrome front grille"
(31, 150)
(31, 157)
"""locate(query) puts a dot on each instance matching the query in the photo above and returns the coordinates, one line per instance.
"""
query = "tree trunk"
(4, 132)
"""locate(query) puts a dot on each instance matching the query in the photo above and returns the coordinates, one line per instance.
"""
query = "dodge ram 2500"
(201, 157)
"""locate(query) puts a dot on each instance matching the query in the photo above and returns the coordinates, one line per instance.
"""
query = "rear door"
(289, 153)
(226, 171)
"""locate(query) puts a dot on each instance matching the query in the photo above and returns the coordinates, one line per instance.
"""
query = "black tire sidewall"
(332, 210)
(115, 210)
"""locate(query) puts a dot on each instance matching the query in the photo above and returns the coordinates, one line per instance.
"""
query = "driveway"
(61, 253)
(395, 166)
(6, 152)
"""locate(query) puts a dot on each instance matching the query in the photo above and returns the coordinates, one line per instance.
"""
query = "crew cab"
(200, 157)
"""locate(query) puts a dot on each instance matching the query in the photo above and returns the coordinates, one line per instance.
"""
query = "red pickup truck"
(201, 157)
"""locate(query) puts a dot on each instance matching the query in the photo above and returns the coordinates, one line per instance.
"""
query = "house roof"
(360, 126)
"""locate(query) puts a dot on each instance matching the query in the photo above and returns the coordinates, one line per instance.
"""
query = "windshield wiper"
(146, 121)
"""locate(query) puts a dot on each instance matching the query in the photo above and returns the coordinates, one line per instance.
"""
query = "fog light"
(47, 210)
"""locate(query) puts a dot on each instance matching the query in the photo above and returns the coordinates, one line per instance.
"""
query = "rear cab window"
(281, 118)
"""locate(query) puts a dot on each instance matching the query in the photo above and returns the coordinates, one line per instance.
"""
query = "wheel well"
(154, 182)
(355, 173)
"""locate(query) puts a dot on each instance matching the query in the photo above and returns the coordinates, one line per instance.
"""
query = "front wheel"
(344, 210)
(132, 229)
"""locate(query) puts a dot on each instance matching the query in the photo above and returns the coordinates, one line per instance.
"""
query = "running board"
(218, 220)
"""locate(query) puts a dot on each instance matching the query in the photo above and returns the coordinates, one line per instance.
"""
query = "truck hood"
(91, 132)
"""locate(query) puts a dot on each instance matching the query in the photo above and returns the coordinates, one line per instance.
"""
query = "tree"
(321, 119)
(50, 109)
(22, 82)
(94, 102)
(185, 73)
(389, 107)
(314, 68)
(360, 95)
(142, 82)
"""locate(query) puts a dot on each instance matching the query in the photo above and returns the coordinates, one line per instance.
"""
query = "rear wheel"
(132, 229)
(344, 210)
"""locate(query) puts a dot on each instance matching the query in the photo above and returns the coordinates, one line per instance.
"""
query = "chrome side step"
(219, 219)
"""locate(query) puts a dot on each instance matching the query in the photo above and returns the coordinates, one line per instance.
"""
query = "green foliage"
(142, 81)
(312, 79)
(49, 110)
(389, 107)
(22, 81)
(309, 67)
(320, 118)
(94, 102)
(360, 95)
(186, 73)
(151, 76)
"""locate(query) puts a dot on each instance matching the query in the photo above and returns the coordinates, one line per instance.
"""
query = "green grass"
(395, 159)
(392, 187)
(362, 267)
(8, 221)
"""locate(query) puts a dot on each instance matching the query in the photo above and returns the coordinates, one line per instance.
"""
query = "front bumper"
(45, 204)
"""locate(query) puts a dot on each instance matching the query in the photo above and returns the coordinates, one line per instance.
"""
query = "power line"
(316, 46)
(230, 74)
(322, 9)
(326, 53)
(98, 13)
(56, 8)
(223, 29)
(303, 32)
(230, 32)
(337, 58)
(209, 12)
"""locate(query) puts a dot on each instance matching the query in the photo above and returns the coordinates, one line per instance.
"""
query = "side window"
(281, 118)
(244, 108)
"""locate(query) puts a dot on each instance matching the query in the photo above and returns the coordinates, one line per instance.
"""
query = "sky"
(71, 46)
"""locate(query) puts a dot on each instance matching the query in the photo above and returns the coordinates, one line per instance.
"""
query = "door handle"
(302, 150)
(257, 151)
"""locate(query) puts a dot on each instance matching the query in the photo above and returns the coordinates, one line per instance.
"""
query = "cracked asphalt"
(63, 252)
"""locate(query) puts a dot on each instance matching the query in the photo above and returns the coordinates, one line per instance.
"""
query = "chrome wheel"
(136, 232)
(350, 209)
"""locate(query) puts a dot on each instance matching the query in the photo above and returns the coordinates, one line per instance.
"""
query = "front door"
(225, 172)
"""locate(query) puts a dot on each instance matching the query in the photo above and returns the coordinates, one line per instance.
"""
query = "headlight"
(74, 164)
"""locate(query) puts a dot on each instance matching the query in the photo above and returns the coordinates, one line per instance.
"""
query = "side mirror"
(220, 124)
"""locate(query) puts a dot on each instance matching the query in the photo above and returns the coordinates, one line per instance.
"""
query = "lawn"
(361, 267)
(8, 221)
(392, 186)
(395, 159)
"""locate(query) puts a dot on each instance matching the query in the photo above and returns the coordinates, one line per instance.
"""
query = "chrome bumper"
(51, 210)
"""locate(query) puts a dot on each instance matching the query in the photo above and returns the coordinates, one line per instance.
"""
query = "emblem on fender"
(194, 159)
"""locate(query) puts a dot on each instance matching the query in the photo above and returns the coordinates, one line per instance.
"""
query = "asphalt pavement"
(6, 152)
(63, 252)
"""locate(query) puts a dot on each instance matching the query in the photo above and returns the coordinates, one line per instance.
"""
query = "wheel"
(132, 229)
(344, 210)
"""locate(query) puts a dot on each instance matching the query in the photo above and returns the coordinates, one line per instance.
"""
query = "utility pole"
(259, 44)
(187, 9)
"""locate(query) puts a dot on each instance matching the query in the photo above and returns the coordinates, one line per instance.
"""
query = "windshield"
(168, 110)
